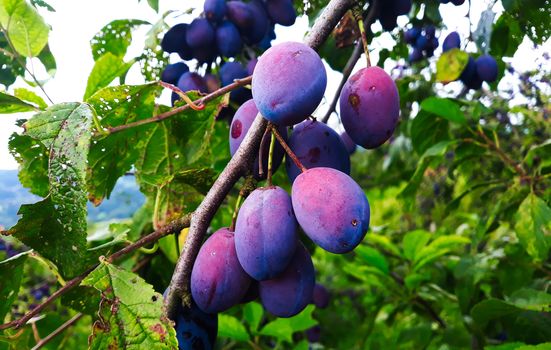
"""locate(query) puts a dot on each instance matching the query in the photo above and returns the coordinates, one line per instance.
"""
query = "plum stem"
(357, 12)
(248, 187)
(236, 211)
(270, 159)
(183, 95)
(261, 154)
(287, 149)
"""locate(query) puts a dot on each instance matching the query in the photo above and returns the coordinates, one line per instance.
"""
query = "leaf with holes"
(106, 69)
(32, 157)
(131, 312)
(115, 37)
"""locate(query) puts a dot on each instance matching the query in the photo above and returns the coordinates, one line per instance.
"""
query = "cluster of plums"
(423, 41)
(484, 68)
(224, 29)
(264, 253)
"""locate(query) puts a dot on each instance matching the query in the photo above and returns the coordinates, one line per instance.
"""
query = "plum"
(228, 73)
(251, 65)
(214, 10)
(288, 84)
(200, 33)
(331, 208)
(348, 143)
(242, 121)
(281, 12)
(240, 14)
(173, 72)
(313, 334)
(228, 39)
(218, 281)
(192, 81)
(266, 233)
(320, 296)
(411, 35)
(260, 24)
(451, 41)
(370, 107)
(486, 67)
(415, 56)
(316, 145)
(175, 38)
(195, 329)
(212, 82)
(289, 293)
(402, 7)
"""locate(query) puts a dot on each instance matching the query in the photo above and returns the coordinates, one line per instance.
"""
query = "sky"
(75, 22)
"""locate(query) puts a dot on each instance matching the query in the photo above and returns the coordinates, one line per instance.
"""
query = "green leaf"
(231, 327)
(26, 29)
(489, 309)
(29, 96)
(532, 16)
(11, 274)
(154, 4)
(414, 242)
(506, 346)
(114, 38)
(531, 299)
(32, 157)
(106, 69)
(506, 37)
(131, 312)
(438, 150)
(437, 248)
(13, 104)
(56, 227)
(112, 156)
(450, 65)
(445, 108)
(533, 226)
(253, 313)
(48, 60)
(428, 130)
(373, 257)
(284, 328)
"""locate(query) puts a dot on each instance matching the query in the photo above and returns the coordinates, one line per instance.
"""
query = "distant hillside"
(125, 200)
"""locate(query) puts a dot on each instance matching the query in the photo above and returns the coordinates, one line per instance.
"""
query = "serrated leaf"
(13, 104)
(106, 69)
(112, 156)
(32, 157)
(29, 96)
(533, 226)
(231, 327)
(253, 313)
(444, 108)
(11, 274)
(131, 313)
(115, 37)
(450, 65)
(414, 242)
(26, 29)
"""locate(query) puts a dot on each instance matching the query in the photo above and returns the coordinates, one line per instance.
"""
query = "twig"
(58, 331)
(176, 225)
(260, 153)
(287, 149)
(179, 285)
(354, 57)
(271, 158)
(201, 101)
(508, 160)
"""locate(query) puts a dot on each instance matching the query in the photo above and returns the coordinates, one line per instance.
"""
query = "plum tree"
(240, 125)
(281, 12)
(451, 41)
(486, 67)
(214, 10)
(320, 296)
(173, 72)
(228, 40)
(316, 145)
(266, 233)
(200, 33)
(289, 293)
(370, 107)
(288, 84)
(218, 281)
(331, 208)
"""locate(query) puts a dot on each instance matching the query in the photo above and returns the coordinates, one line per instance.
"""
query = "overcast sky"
(75, 22)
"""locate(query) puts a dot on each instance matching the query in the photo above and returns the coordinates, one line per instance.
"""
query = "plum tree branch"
(354, 57)
(174, 226)
(157, 118)
(238, 165)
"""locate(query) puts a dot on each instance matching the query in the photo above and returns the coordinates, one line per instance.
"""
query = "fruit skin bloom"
(288, 84)
(370, 107)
